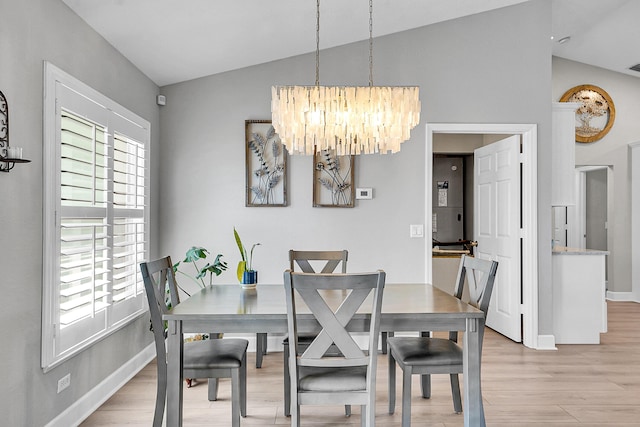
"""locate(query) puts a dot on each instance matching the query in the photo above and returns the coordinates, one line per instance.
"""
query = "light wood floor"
(585, 385)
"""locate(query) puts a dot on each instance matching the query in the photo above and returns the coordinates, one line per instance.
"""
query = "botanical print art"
(266, 160)
(333, 180)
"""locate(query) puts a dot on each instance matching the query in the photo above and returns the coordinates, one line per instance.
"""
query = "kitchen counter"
(563, 250)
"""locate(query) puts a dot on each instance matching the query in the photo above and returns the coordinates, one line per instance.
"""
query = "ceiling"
(173, 41)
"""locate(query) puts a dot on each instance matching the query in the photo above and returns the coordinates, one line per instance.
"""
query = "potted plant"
(247, 276)
(197, 253)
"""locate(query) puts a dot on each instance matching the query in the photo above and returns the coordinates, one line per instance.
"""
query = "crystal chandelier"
(348, 119)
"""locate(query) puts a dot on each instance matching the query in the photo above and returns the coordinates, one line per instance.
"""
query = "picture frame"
(265, 165)
(595, 116)
(333, 180)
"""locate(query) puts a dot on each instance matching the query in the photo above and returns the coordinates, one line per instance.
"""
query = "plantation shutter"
(97, 223)
(129, 238)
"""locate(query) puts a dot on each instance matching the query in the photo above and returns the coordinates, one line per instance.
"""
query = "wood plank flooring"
(577, 385)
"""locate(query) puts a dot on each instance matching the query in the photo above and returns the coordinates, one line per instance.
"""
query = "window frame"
(64, 92)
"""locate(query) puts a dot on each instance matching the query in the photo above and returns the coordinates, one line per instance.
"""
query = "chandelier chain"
(370, 43)
(317, 42)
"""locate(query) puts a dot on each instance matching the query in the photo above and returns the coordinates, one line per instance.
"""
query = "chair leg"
(161, 397)
(295, 413)
(287, 382)
(392, 382)
(383, 342)
(235, 397)
(406, 397)
(213, 389)
(364, 414)
(425, 380)
(425, 385)
(347, 410)
(261, 348)
(243, 387)
(384, 336)
(455, 392)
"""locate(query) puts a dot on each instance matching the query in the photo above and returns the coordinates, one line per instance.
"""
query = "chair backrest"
(480, 275)
(305, 260)
(162, 293)
(333, 299)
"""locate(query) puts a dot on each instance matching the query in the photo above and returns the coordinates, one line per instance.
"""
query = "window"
(96, 216)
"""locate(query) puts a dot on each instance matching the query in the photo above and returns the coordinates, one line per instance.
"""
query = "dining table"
(406, 307)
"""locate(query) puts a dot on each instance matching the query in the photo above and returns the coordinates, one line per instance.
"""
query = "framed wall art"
(333, 180)
(266, 165)
(595, 116)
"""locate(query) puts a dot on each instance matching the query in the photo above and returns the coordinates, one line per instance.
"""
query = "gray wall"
(493, 67)
(612, 150)
(33, 31)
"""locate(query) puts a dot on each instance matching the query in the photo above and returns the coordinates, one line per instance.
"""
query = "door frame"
(529, 195)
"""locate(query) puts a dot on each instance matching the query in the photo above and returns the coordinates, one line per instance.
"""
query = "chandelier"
(347, 119)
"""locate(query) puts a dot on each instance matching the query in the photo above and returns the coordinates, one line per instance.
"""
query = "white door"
(497, 229)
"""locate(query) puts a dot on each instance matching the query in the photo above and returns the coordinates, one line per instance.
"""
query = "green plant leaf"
(251, 256)
(243, 253)
(195, 253)
(242, 265)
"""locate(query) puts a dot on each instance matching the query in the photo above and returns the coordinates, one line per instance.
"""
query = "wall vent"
(635, 68)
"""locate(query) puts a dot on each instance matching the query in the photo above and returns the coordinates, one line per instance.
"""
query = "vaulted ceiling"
(173, 41)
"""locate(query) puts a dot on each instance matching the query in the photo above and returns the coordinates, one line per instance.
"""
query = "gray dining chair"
(310, 262)
(427, 355)
(347, 377)
(212, 358)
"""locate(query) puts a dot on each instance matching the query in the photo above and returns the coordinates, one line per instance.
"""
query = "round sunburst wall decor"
(595, 116)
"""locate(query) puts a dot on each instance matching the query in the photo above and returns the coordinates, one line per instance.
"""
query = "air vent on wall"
(635, 68)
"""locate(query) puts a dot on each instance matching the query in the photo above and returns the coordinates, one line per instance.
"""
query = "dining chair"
(427, 355)
(212, 358)
(310, 262)
(349, 376)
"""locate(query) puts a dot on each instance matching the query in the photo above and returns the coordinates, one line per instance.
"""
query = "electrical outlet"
(64, 382)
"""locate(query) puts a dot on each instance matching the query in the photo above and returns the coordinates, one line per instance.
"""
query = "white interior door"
(497, 229)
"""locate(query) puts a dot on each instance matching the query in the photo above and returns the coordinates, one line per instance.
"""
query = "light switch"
(416, 230)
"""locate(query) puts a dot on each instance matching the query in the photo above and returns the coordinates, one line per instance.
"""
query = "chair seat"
(215, 353)
(333, 379)
(425, 351)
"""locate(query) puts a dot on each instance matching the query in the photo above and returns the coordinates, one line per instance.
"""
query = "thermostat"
(364, 193)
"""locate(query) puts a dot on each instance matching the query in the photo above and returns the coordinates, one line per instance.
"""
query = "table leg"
(174, 374)
(472, 349)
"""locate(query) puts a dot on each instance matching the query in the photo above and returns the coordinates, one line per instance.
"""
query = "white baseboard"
(87, 404)
(546, 342)
(622, 296)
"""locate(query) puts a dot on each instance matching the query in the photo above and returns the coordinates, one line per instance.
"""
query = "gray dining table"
(405, 307)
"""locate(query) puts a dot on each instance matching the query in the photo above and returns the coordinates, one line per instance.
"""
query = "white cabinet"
(563, 154)
(579, 304)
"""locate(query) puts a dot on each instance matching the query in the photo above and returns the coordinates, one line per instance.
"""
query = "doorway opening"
(587, 221)
(528, 194)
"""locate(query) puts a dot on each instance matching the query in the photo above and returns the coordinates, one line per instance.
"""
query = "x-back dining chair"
(349, 376)
(213, 358)
(426, 355)
(310, 262)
